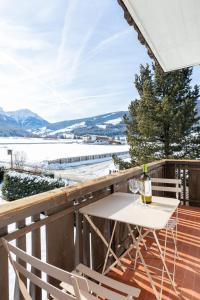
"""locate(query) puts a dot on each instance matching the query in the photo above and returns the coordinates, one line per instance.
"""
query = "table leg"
(98, 232)
(109, 247)
(143, 262)
(163, 270)
(163, 261)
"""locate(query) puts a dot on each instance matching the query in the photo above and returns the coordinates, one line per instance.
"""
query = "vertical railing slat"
(35, 291)
(194, 186)
(184, 185)
(4, 282)
(20, 243)
(86, 242)
(79, 238)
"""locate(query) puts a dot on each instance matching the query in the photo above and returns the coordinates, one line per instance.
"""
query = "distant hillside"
(24, 122)
(110, 124)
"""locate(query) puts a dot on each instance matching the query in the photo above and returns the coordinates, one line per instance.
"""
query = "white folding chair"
(82, 284)
(176, 189)
(172, 186)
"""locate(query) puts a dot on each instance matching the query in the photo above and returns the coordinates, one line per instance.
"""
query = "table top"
(122, 207)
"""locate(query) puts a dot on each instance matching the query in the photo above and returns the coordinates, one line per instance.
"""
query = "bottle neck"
(145, 168)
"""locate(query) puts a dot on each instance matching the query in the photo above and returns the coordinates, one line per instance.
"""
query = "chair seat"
(103, 285)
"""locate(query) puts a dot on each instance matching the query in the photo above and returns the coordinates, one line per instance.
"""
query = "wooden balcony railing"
(66, 237)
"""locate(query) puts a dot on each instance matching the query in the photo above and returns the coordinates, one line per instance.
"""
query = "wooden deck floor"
(187, 268)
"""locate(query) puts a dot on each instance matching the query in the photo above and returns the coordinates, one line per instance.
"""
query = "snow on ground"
(50, 150)
(101, 126)
(85, 172)
(24, 140)
(68, 128)
(109, 115)
(114, 121)
(38, 150)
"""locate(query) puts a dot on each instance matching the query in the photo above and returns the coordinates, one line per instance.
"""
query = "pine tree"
(163, 122)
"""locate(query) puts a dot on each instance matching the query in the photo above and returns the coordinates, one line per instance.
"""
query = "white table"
(120, 207)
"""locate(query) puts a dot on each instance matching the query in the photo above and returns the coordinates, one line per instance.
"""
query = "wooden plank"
(60, 247)
(158, 173)
(35, 291)
(191, 162)
(194, 187)
(79, 238)
(20, 243)
(170, 173)
(29, 228)
(20, 209)
(86, 242)
(184, 185)
(4, 282)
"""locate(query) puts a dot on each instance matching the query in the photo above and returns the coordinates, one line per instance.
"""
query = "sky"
(68, 59)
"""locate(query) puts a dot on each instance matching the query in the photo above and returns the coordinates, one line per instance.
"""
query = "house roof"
(170, 29)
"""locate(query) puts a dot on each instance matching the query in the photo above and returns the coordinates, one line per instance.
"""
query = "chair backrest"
(167, 185)
(76, 284)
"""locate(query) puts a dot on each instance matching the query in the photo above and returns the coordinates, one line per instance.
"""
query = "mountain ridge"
(24, 122)
(105, 124)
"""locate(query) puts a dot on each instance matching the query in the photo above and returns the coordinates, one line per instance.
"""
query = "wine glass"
(133, 186)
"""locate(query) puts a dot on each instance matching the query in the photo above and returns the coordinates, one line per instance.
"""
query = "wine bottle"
(146, 186)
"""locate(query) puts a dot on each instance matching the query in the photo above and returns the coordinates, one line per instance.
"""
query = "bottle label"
(147, 188)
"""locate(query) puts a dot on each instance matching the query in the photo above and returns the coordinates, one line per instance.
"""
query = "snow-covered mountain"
(9, 126)
(24, 122)
(27, 119)
(108, 124)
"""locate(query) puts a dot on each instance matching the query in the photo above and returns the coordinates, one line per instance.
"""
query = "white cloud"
(17, 37)
(66, 58)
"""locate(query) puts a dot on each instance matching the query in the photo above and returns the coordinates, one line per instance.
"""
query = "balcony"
(50, 227)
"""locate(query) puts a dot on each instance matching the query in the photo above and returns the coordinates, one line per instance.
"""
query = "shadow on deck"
(187, 275)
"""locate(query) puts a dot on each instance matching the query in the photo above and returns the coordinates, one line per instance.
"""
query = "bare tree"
(19, 159)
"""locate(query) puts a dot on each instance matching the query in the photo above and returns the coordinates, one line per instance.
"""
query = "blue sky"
(67, 59)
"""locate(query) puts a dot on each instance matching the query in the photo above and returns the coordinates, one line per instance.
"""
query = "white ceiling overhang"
(170, 28)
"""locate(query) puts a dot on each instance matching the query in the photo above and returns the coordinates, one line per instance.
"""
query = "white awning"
(171, 28)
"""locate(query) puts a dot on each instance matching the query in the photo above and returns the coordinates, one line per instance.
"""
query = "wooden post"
(170, 173)
(194, 187)
(4, 286)
(60, 242)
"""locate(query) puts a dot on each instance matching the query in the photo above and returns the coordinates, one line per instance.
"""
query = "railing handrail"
(182, 161)
(29, 206)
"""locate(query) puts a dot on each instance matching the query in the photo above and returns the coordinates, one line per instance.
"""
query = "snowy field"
(39, 150)
(85, 172)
